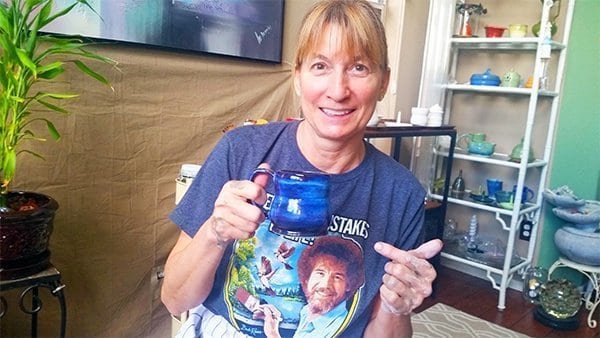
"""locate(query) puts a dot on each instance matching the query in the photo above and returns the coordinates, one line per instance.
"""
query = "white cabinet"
(529, 112)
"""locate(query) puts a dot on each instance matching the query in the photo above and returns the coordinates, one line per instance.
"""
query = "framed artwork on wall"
(250, 29)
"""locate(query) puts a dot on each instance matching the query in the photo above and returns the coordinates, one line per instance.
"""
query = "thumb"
(428, 249)
(262, 178)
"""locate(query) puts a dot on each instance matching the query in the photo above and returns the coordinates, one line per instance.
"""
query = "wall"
(576, 159)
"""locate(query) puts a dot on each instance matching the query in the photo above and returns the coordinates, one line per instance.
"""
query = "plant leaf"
(52, 130)
(26, 61)
(58, 96)
(57, 15)
(53, 107)
(50, 71)
(32, 153)
(90, 72)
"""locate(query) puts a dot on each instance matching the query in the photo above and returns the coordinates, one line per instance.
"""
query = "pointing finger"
(428, 249)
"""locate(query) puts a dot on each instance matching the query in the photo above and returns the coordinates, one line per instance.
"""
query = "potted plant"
(29, 57)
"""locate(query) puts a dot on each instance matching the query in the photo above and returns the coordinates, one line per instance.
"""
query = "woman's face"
(338, 91)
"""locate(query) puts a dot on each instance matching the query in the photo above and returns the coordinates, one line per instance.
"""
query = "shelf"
(496, 158)
(498, 90)
(502, 43)
(457, 253)
(525, 208)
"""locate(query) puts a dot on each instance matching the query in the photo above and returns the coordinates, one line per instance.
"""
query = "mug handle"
(529, 194)
(256, 172)
(460, 143)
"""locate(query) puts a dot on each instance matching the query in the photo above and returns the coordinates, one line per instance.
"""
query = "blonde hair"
(358, 22)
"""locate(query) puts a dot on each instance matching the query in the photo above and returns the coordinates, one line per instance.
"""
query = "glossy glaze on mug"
(300, 206)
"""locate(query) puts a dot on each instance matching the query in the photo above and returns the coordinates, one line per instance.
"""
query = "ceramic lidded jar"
(485, 79)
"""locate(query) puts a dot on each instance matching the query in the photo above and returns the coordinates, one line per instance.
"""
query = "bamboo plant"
(29, 56)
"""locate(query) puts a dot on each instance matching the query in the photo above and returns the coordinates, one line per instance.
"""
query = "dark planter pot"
(25, 234)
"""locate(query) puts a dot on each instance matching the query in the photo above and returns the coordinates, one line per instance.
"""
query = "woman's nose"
(338, 86)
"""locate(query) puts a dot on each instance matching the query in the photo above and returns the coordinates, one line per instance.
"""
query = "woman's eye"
(360, 70)
(318, 67)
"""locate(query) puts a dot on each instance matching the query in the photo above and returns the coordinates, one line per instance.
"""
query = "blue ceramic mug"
(300, 207)
(527, 196)
(493, 185)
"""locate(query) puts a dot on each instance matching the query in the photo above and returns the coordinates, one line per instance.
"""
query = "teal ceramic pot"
(580, 246)
(481, 148)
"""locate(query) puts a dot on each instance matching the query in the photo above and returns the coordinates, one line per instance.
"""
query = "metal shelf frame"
(441, 66)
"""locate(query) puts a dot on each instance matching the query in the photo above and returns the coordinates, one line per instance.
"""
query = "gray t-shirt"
(380, 200)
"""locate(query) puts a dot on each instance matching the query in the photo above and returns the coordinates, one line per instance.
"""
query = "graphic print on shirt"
(307, 286)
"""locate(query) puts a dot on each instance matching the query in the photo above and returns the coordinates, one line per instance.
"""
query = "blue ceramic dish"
(486, 79)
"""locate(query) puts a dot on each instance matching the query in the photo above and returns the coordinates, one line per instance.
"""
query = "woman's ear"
(385, 83)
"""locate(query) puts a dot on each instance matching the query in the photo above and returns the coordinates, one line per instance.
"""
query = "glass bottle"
(533, 279)
(458, 186)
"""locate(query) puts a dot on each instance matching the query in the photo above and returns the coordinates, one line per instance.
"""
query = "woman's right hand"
(233, 217)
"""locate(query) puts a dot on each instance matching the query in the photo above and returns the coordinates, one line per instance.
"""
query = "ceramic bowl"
(483, 148)
(505, 199)
(494, 32)
(517, 30)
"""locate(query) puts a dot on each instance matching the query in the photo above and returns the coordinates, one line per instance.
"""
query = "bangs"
(363, 34)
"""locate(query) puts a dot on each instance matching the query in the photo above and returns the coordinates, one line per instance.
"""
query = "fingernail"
(378, 246)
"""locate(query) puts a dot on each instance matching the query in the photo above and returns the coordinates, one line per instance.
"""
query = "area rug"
(442, 320)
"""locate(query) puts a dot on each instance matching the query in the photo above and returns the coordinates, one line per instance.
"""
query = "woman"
(219, 260)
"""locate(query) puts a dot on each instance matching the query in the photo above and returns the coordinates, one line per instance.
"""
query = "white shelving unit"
(437, 86)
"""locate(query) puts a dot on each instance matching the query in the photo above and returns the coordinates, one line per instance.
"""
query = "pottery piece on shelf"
(517, 30)
(481, 198)
(494, 32)
(578, 245)
(485, 79)
(517, 153)
(483, 148)
(511, 79)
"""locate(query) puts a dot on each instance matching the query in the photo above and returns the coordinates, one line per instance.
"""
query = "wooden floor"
(477, 297)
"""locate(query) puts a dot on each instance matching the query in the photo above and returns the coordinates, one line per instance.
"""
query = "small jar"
(533, 279)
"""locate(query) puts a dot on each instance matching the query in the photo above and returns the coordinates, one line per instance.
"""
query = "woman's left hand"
(408, 276)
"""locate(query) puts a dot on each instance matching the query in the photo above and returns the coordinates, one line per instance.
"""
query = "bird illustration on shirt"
(283, 253)
(265, 273)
